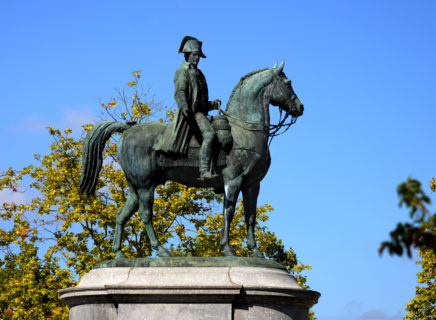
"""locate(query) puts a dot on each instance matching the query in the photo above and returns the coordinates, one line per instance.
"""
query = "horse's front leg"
(123, 215)
(146, 199)
(250, 203)
(231, 192)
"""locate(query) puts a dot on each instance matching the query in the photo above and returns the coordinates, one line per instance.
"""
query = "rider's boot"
(205, 161)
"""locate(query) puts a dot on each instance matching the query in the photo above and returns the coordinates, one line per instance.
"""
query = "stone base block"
(188, 293)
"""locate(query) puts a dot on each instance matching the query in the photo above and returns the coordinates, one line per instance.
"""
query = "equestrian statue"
(229, 154)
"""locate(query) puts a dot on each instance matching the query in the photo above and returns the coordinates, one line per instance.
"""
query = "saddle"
(220, 148)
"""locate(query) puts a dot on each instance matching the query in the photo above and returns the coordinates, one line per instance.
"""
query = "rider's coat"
(191, 94)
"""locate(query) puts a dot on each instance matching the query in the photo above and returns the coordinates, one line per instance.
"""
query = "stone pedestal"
(177, 288)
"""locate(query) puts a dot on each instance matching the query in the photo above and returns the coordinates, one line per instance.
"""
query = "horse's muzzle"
(297, 110)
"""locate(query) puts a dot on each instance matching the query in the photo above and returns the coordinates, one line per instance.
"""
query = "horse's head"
(282, 94)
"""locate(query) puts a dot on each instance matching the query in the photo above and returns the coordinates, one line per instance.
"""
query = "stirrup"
(206, 174)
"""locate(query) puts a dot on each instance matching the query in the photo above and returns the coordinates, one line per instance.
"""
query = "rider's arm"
(181, 94)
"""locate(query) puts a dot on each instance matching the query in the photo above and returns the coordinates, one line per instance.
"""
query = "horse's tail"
(92, 157)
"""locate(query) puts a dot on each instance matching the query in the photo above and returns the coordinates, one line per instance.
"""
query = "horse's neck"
(252, 108)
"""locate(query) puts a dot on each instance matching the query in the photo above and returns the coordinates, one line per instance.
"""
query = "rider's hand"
(184, 111)
(216, 104)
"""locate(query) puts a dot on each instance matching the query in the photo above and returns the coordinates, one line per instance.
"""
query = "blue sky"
(365, 71)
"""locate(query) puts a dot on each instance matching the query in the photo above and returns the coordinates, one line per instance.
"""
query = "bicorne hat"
(191, 44)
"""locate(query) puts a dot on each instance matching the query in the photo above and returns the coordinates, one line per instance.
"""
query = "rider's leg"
(208, 135)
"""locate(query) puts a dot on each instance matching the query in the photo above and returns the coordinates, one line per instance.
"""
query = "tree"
(50, 240)
(423, 305)
(420, 234)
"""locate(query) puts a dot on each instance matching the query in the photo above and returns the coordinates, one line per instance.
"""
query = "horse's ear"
(280, 69)
(282, 65)
(275, 66)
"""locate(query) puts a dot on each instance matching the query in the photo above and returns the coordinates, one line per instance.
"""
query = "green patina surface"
(246, 162)
(191, 262)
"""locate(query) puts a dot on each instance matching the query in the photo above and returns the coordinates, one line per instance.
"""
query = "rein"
(275, 128)
(245, 124)
(272, 129)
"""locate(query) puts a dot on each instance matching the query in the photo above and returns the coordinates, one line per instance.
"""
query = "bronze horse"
(246, 163)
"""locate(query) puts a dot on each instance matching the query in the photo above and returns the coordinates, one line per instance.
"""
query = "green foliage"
(421, 232)
(30, 284)
(423, 306)
(57, 234)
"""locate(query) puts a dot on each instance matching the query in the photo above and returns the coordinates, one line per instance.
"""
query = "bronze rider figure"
(191, 95)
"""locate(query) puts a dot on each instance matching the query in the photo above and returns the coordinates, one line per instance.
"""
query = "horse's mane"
(248, 75)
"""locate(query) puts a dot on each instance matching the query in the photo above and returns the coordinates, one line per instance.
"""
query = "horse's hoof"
(255, 252)
(228, 251)
(120, 255)
(162, 252)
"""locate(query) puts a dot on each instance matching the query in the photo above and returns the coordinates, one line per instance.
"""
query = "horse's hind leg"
(146, 199)
(250, 202)
(123, 215)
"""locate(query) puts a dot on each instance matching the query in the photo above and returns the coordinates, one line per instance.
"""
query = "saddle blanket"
(192, 159)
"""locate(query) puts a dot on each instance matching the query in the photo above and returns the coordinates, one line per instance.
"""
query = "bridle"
(272, 130)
